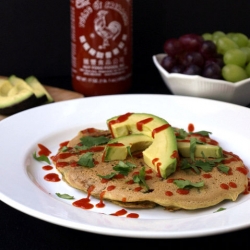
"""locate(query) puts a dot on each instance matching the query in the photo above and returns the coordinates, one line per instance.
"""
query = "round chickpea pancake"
(197, 182)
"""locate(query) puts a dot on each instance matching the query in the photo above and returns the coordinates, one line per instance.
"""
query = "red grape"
(212, 70)
(178, 68)
(168, 62)
(192, 70)
(173, 47)
(192, 55)
(191, 42)
(208, 49)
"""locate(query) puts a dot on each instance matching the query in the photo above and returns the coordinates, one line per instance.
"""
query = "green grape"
(246, 50)
(216, 35)
(235, 56)
(247, 68)
(240, 39)
(230, 34)
(207, 36)
(225, 43)
(234, 73)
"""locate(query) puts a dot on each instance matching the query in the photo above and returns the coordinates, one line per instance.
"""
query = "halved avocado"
(162, 154)
(23, 100)
(41, 93)
(5, 87)
(118, 148)
(16, 96)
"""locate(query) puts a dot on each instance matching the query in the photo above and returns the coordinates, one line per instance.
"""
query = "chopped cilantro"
(86, 160)
(223, 168)
(129, 151)
(80, 147)
(65, 196)
(206, 164)
(121, 168)
(124, 168)
(64, 149)
(108, 176)
(202, 132)
(90, 141)
(192, 147)
(220, 209)
(188, 184)
(140, 178)
(181, 133)
(41, 158)
(185, 164)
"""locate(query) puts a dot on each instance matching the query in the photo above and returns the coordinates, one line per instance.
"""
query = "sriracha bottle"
(101, 46)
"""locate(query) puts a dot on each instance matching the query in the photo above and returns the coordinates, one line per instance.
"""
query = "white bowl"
(198, 86)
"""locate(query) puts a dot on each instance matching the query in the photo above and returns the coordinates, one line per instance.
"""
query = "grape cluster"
(235, 49)
(191, 54)
(214, 55)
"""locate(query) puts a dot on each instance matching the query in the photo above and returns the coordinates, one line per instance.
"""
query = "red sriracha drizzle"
(120, 119)
(142, 122)
(43, 150)
(159, 129)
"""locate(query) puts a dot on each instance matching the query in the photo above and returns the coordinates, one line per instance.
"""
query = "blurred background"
(35, 35)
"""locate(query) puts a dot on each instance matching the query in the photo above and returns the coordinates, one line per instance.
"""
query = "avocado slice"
(162, 154)
(118, 148)
(5, 87)
(41, 93)
(15, 96)
(213, 151)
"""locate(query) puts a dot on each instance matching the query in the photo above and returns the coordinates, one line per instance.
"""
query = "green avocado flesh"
(119, 148)
(17, 95)
(162, 154)
(40, 92)
(213, 151)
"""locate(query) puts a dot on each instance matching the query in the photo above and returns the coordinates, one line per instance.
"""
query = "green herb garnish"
(220, 209)
(140, 178)
(223, 168)
(86, 160)
(202, 132)
(108, 176)
(65, 196)
(41, 158)
(124, 168)
(90, 141)
(121, 168)
(206, 165)
(181, 133)
(64, 149)
(188, 184)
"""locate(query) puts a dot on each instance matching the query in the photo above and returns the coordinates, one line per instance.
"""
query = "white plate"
(23, 187)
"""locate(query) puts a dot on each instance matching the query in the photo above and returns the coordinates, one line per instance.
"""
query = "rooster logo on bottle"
(107, 31)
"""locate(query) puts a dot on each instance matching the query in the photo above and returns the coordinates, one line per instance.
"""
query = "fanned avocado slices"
(41, 93)
(17, 94)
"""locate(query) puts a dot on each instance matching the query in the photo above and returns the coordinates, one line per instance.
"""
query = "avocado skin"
(41, 93)
(13, 108)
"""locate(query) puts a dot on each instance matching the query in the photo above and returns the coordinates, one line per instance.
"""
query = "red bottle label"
(101, 46)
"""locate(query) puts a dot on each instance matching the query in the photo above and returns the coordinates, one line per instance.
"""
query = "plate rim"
(123, 232)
